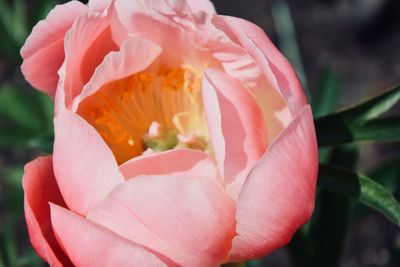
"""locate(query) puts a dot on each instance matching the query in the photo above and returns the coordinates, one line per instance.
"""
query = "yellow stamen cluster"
(123, 110)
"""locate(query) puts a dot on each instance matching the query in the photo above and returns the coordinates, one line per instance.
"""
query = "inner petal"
(124, 110)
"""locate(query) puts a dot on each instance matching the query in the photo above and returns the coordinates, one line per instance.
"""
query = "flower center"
(157, 110)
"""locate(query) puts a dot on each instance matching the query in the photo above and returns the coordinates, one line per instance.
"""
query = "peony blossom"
(182, 137)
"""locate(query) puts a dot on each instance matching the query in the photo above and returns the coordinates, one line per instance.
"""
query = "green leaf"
(8, 49)
(12, 176)
(329, 222)
(19, 108)
(30, 258)
(325, 102)
(387, 174)
(8, 247)
(40, 10)
(361, 187)
(20, 29)
(327, 95)
(358, 123)
(384, 129)
(13, 21)
(25, 118)
(288, 44)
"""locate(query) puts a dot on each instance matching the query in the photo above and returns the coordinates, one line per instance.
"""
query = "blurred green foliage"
(26, 128)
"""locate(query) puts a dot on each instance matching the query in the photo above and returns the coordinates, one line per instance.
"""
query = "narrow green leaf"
(358, 124)
(40, 10)
(330, 220)
(384, 129)
(376, 130)
(361, 187)
(254, 263)
(325, 102)
(25, 118)
(288, 44)
(9, 247)
(327, 95)
(6, 14)
(30, 258)
(387, 174)
(371, 108)
(20, 107)
(20, 29)
(8, 49)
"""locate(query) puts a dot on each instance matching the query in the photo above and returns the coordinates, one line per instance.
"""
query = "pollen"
(131, 142)
(123, 111)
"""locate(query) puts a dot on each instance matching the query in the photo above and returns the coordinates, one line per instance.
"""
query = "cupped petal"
(43, 51)
(177, 162)
(90, 245)
(135, 55)
(278, 196)
(86, 44)
(40, 188)
(85, 168)
(201, 5)
(130, 18)
(191, 221)
(236, 125)
(185, 36)
(274, 65)
(238, 64)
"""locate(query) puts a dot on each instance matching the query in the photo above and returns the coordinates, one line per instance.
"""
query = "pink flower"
(182, 137)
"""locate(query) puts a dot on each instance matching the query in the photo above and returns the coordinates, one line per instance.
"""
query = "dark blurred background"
(350, 48)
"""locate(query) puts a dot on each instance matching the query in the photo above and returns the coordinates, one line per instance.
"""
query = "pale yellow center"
(123, 111)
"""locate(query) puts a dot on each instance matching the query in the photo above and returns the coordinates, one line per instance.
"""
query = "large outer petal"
(236, 126)
(90, 245)
(278, 196)
(40, 188)
(177, 162)
(191, 221)
(43, 51)
(275, 66)
(85, 168)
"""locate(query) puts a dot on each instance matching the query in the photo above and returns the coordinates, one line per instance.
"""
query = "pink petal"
(238, 64)
(177, 162)
(191, 221)
(90, 245)
(86, 45)
(129, 14)
(99, 5)
(278, 196)
(134, 56)
(201, 5)
(85, 168)
(171, 24)
(43, 51)
(236, 125)
(40, 188)
(273, 63)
